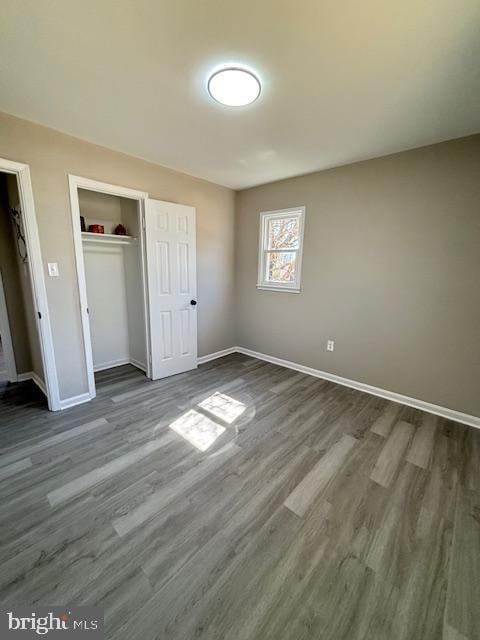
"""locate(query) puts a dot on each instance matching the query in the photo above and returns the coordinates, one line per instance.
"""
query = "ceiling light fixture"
(234, 86)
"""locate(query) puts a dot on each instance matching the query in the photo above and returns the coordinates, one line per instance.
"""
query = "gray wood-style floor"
(242, 501)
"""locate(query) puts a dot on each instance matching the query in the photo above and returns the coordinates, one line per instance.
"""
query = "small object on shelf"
(82, 223)
(120, 230)
(96, 228)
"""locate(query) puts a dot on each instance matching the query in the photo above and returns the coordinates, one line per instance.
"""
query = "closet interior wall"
(113, 273)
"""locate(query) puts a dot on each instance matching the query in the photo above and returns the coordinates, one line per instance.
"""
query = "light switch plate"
(53, 269)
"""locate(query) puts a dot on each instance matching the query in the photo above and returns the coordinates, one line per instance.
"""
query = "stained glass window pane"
(281, 266)
(283, 233)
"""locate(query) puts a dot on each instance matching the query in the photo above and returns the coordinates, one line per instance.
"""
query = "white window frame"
(265, 217)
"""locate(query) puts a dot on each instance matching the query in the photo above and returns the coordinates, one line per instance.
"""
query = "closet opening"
(109, 243)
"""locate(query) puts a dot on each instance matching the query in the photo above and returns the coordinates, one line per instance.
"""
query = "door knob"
(193, 302)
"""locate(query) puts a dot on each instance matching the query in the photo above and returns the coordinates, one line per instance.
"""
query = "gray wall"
(391, 272)
(52, 156)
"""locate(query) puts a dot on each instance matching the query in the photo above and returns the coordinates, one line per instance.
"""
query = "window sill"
(265, 287)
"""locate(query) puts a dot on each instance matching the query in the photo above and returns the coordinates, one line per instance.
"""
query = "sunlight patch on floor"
(197, 429)
(223, 407)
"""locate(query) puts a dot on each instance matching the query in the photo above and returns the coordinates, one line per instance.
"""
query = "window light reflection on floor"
(223, 407)
(197, 429)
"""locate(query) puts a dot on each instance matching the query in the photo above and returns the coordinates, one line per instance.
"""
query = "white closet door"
(172, 286)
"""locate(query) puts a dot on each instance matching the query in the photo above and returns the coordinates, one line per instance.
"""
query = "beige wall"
(52, 156)
(391, 272)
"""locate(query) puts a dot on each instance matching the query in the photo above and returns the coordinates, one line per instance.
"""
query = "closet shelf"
(107, 238)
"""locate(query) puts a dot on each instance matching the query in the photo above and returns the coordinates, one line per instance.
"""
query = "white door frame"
(37, 278)
(75, 183)
(6, 336)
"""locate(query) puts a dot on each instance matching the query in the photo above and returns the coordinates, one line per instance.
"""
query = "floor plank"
(384, 423)
(464, 581)
(421, 448)
(314, 482)
(392, 453)
(161, 498)
(15, 467)
(8, 457)
(89, 480)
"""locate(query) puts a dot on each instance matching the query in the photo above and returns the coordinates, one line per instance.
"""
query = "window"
(280, 253)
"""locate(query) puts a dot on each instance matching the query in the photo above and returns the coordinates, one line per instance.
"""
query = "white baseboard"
(85, 397)
(40, 383)
(217, 354)
(140, 365)
(111, 364)
(119, 363)
(450, 414)
(74, 400)
(31, 375)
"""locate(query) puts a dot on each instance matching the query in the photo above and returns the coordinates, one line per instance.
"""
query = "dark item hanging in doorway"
(120, 230)
(19, 237)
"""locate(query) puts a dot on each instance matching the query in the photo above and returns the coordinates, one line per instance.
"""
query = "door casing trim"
(37, 278)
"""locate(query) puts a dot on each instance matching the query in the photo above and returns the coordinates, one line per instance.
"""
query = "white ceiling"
(343, 80)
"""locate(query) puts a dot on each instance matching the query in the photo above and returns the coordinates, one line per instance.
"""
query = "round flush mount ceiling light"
(234, 86)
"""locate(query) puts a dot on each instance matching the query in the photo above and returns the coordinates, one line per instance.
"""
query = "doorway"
(26, 347)
(135, 260)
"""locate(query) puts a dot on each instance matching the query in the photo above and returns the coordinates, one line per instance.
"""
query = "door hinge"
(143, 222)
(39, 315)
(88, 311)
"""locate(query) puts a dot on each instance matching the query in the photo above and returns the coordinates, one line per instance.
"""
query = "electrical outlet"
(330, 345)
